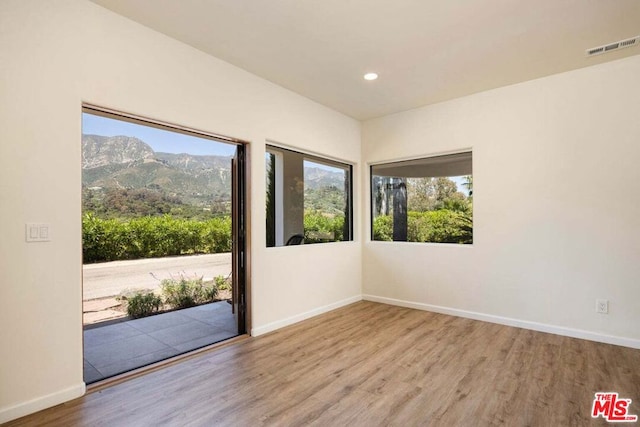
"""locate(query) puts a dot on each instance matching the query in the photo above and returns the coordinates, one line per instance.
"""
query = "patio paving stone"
(182, 333)
(91, 374)
(106, 334)
(114, 348)
(159, 321)
(128, 348)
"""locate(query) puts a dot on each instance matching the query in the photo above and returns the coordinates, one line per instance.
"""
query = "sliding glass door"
(163, 225)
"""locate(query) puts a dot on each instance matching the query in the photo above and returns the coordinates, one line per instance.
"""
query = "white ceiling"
(425, 51)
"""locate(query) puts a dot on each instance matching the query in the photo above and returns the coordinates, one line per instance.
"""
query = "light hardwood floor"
(371, 364)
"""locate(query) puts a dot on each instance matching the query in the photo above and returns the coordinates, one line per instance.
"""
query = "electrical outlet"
(602, 306)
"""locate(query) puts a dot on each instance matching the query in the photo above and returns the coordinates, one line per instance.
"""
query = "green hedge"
(440, 226)
(149, 237)
(320, 228)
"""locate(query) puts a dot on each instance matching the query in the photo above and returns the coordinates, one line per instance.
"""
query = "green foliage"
(429, 194)
(468, 182)
(184, 293)
(329, 199)
(325, 205)
(142, 304)
(383, 228)
(216, 236)
(320, 227)
(148, 237)
(104, 240)
(120, 203)
(440, 226)
(128, 202)
(222, 283)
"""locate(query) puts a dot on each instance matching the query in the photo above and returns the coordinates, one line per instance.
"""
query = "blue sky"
(310, 164)
(160, 140)
(460, 180)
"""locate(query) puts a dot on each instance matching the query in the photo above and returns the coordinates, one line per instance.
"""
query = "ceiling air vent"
(634, 41)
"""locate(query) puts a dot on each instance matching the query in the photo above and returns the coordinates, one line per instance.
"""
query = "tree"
(271, 201)
(428, 194)
(382, 191)
(420, 194)
(468, 182)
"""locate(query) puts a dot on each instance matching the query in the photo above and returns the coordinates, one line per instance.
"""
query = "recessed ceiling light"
(370, 76)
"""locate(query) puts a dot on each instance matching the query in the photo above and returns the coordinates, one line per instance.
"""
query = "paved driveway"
(110, 278)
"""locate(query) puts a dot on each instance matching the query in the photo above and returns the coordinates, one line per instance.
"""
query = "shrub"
(184, 293)
(209, 294)
(383, 228)
(142, 304)
(106, 240)
(439, 226)
(319, 227)
(148, 237)
(222, 283)
(215, 235)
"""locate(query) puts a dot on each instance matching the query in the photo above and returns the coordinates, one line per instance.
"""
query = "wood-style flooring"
(371, 364)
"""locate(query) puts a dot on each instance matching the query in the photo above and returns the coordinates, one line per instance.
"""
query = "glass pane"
(308, 199)
(325, 202)
(411, 203)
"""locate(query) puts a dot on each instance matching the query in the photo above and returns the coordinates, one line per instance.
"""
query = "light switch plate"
(37, 232)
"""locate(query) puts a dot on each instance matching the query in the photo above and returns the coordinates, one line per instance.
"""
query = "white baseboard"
(261, 330)
(35, 405)
(535, 326)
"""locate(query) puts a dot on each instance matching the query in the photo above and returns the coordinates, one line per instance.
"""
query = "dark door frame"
(239, 240)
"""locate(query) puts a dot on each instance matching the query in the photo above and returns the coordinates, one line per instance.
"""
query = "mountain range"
(125, 162)
(129, 163)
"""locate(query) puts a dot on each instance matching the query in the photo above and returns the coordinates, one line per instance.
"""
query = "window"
(308, 198)
(423, 200)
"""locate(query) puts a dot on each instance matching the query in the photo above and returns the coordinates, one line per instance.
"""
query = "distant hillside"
(194, 164)
(316, 178)
(129, 163)
(324, 191)
(109, 150)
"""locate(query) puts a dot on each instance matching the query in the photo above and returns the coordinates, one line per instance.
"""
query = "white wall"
(556, 208)
(53, 56)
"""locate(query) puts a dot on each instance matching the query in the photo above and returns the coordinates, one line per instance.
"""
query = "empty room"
(319, 212)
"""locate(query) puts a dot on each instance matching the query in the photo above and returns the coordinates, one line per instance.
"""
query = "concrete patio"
(120, 346)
